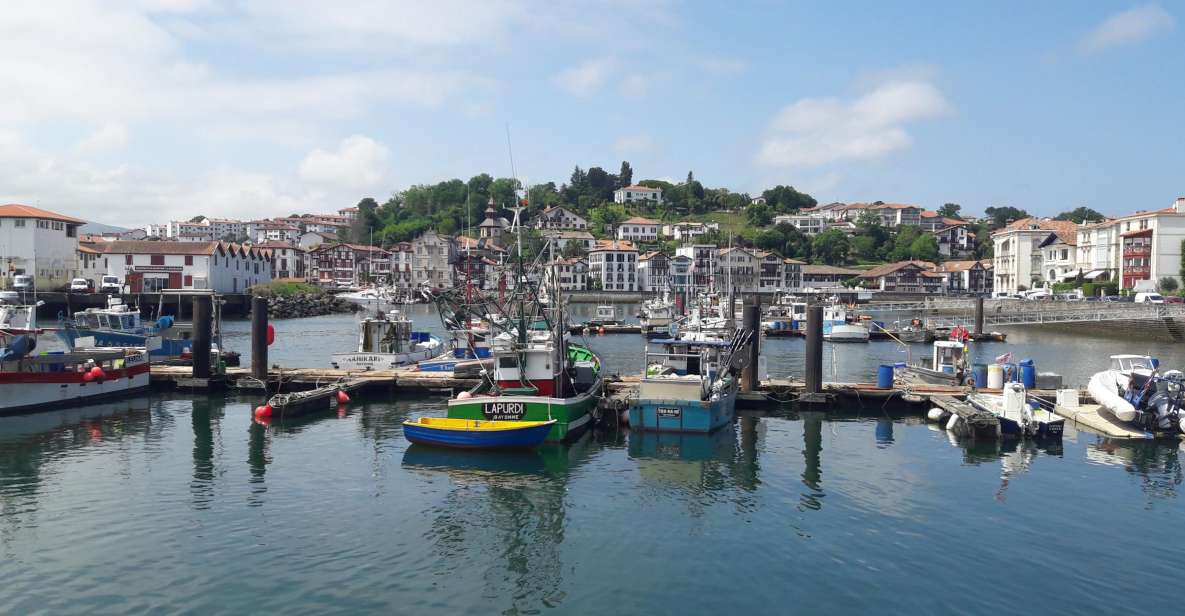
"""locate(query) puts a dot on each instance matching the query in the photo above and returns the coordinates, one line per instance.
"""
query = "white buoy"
(936, 414)
(952, 422)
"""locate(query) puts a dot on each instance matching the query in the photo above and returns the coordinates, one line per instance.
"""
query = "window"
(158, 259)
(19, 222)
(188, 260)
(127, 259)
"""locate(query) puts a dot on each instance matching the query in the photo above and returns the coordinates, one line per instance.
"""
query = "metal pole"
(814, 349)
(978, 316)
(201, 336)
(259, 338)
(752, 323)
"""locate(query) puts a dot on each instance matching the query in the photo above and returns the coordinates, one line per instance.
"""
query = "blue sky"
(141, 111)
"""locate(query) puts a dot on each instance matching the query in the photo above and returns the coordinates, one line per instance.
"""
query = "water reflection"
(1156, 464)
(505, 505)
(812, 450)
(203, 420)
(31, 445)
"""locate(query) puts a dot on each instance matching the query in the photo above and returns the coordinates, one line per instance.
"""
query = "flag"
(1005, 358)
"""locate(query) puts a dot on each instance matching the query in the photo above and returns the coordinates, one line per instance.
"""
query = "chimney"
(1179, 205)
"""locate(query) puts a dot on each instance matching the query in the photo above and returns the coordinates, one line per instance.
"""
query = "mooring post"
(814, 349)
(259, 338)
(202, 308)
(978, 316)
(752, 324)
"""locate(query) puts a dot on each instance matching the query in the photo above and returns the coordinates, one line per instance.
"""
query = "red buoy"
(97, 373)
(263, 421)
(87, 376)
(271, 334)
(263, 411)
(342, 397)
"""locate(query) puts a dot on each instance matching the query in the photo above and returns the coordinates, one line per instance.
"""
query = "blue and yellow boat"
(477, 434)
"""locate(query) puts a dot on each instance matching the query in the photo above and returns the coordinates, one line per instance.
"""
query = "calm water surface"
(182, 504)
(173, 503)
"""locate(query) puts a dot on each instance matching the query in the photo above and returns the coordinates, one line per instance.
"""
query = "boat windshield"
(1127, 363)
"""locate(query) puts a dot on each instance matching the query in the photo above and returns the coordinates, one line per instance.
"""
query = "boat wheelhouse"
(386, 341)
(948, 364)
(689, 386)
(838, 327)
(119, 325)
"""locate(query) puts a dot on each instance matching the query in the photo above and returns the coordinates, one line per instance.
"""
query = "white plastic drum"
(995, 376)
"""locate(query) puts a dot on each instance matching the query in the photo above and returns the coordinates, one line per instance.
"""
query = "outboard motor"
(20, 347)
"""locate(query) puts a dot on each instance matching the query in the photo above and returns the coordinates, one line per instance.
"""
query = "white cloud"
(633, 145)
(1127, 27)
(817, 131)
(585, 78)
(358, 161)
(110, 136)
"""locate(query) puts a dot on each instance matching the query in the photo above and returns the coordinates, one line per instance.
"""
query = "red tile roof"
(16, 210)
(638, 220)
(889, 268)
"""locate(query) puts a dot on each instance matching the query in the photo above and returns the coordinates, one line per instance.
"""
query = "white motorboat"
(948, 365)
(1018, 417)
(1135, 392)
(387, 341)
(379, 299)
(837, 326)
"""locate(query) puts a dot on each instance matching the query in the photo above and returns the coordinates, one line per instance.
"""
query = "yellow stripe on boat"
(471, 425)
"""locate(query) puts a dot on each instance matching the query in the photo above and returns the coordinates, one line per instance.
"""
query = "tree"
(1001, 216)
(625, 177)
(1168, 284)
(787, 200)
(771, 239)
(924, 248)
(365, 221)
(573, 249)
(903, 245)
(950, 210)
(1080, 215)
(865, 248)
(600, 184)
(758, 215)
(831, 247)
(690, 177)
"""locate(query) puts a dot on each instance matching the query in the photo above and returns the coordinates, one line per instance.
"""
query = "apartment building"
(635, 194)
(39, 243)
(613, 266)
(1018, 261)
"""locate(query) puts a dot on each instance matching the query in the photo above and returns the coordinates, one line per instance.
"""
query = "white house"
(1150, 246)
(613, 266)
(200, 227)
(1098, 249)
(433, 254)
(288, 260)
(312, 239)
(1059, 257)
(635, 193)
(703, 262)
(805, 223)
(571, 273)
(689, 231)
(147, 266)
(1016, 264)
(561, 219)
(559, 240)
(654, 272)
(38, 242)
(261, 231)
(639, 229)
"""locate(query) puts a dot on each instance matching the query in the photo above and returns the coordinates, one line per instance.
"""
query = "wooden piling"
(978, 316)
(814, 349)
(202, 314)
(259, 338)
(751, 321)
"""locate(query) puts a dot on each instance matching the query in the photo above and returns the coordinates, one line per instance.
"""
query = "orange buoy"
(342, 396)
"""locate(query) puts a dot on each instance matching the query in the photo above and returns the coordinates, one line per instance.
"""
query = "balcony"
(1137, 251)
(1136, 270)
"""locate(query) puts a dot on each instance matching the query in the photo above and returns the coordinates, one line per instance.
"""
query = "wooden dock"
(304, 378)
(1089, 416)
(971, 421)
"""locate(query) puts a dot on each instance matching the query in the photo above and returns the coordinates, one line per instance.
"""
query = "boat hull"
(28, 393)
(926, 375)
(526, 437)
(697, 416)
(380, 361)
(572, 415)
(845, 333)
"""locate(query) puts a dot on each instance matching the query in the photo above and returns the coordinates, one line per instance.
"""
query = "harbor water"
(178, 503)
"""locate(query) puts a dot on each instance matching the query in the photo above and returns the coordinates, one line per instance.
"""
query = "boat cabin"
(117, 316)
(389, 333)
(606, 313)
(683, 370)
(947, 357)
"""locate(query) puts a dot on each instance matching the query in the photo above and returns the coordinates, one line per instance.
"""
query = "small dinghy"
(1137, 394)
(477, 434)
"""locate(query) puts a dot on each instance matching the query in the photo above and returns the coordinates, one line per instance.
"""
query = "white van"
(1149, 298)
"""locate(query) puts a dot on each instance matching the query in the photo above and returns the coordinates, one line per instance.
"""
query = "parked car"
(22, 282)
(110, 284)
(1149, 298)
(1174, 299)
(82, 285)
